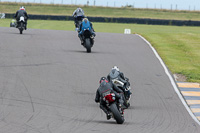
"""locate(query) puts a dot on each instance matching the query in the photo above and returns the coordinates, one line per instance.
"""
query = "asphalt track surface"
(48, 84)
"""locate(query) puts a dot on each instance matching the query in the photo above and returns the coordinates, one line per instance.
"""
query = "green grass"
(101, 11)
(178, 46)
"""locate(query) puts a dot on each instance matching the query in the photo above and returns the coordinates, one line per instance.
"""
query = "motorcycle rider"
(116, 74)
(86, 24)
(78, 14)
(105, 88)
(19, 13)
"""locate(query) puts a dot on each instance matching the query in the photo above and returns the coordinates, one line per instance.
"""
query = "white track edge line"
(172, 80)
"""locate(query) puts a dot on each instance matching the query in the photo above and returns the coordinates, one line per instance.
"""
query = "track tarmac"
(48, 84)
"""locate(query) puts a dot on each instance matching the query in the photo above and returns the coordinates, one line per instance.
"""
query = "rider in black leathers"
(19, 13)
(78, 14)
(105, 88)
(116, 74)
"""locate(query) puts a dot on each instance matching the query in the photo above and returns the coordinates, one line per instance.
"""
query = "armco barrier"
(117, 20)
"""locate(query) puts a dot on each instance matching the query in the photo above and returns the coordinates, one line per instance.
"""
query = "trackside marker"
(172, 81)
(2, 15)
(127, 31)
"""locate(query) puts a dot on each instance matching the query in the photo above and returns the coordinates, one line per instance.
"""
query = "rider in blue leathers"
(86, 24)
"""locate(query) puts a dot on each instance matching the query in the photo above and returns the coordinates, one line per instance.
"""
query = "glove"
(92, 37)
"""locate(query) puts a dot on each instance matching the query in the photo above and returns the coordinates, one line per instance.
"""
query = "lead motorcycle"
(21, 24)
(126, 87)
(114, 107)
(88, 39)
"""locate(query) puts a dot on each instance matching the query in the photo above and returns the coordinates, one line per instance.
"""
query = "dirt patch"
(180, 77)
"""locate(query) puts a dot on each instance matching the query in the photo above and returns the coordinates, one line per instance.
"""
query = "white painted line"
(172, 81)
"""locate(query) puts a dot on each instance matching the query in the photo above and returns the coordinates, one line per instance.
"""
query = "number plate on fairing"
(21, 18)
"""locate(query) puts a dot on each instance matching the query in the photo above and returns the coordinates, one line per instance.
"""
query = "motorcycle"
(88, 39)
(126, 87)
(114, 107)
(21, 24)
(13, 23)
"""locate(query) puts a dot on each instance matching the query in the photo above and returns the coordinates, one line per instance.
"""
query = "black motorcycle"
(114, 107)
(88, 40)
(125, 87)
(21, 24)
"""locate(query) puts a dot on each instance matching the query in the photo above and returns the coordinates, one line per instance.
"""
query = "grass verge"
(50, 9)
(178, 46)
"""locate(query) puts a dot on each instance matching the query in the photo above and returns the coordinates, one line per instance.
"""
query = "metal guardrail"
(117, 20)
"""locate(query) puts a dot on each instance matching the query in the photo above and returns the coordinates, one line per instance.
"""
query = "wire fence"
(114, 3)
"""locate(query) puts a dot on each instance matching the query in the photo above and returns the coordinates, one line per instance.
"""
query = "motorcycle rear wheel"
(117, 116)
(21, 27)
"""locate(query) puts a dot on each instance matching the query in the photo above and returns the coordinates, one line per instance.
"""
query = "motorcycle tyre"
(88, 45)
(21, 27)
(116, 114)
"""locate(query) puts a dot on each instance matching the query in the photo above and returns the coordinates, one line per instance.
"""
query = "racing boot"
(121, 110)
(92, 39)
(104, 108)
(108, 115)
(82, 42)
(128, 94)
(25, 27)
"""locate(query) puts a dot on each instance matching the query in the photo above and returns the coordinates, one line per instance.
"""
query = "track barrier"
(116, 20)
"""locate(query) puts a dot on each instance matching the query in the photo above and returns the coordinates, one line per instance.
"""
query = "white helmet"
(79, 9)
(116, 68)
(22, 8)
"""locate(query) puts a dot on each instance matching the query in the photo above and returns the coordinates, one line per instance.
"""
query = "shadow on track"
(15, 33)
(113, 122)
(104, 122)
(92, 52)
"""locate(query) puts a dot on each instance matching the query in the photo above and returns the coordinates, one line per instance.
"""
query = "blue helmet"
(85, 20)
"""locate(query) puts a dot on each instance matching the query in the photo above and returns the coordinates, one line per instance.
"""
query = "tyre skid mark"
(31, 101)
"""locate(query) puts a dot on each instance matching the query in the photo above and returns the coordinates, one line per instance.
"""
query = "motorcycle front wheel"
(88, 45)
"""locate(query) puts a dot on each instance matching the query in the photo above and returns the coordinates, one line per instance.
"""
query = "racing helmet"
(103, 79)
(85, 20)
(22, 8)
(79, 9)
(115, 68)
